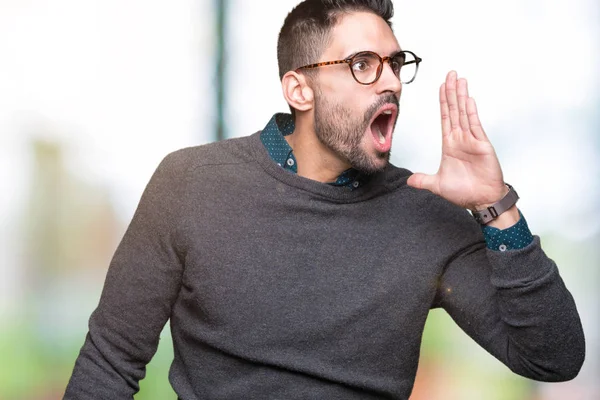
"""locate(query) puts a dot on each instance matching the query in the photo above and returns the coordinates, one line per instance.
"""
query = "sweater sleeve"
(516, 306)
(142, 283)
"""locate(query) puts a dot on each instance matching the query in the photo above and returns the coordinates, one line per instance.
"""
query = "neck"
(315, 160)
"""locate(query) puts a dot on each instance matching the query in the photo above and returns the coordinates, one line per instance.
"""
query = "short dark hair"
(306, 32)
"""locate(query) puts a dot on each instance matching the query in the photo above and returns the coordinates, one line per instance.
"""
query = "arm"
(512, 302)
(142, 283)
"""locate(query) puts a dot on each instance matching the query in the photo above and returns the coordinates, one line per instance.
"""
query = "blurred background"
(93, 94)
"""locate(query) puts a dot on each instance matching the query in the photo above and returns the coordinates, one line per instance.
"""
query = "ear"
(296, 91)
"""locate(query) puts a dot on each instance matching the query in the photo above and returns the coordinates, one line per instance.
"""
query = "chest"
(308, 265)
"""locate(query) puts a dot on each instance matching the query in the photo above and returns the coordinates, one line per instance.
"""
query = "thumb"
(423, 181)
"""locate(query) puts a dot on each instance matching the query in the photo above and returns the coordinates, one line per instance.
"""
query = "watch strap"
(489, 214)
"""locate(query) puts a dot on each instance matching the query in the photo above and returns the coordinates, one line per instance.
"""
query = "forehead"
(360, 31)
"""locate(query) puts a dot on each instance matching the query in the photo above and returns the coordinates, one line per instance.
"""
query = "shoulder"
(224, 152)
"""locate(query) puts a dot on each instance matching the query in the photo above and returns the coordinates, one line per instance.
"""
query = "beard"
(338, 128)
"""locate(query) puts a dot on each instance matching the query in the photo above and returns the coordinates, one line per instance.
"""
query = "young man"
(298, 263)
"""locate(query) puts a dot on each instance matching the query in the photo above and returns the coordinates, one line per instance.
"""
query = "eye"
(360, 65)
(397, 62)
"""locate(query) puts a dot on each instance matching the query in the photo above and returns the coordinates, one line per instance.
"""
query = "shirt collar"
(273, 138)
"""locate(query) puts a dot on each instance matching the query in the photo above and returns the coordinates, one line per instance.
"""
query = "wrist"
(485, 215)
(507, 219)
(503, 192)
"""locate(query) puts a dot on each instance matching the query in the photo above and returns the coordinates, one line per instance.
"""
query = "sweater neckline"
(386, 181)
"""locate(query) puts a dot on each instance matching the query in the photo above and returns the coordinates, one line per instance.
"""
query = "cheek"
(346, 96)
(340, 84)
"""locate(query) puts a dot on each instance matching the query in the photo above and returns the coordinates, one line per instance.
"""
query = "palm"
(469, 174)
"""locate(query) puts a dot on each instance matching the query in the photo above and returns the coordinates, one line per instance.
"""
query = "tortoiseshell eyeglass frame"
(350, 61)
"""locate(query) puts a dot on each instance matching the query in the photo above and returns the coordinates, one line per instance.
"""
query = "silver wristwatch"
(491, 213)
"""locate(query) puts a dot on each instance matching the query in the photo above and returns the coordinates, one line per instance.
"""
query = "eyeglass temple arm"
(323, 64)
(418, 60)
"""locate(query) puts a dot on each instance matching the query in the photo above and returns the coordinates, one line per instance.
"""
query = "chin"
(382, 161)
(371, 163)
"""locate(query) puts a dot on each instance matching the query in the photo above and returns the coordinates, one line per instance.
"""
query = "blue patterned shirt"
(280, 151)
(516, 237)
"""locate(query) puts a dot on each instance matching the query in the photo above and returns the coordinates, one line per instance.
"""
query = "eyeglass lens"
(367, 66)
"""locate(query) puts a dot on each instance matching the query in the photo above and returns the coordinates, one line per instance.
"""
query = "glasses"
(366, 66)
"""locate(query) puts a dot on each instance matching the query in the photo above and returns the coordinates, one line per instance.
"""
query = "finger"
(452, 100)
(475, 124)
(445, 113)
(423, 181)
(463, 95)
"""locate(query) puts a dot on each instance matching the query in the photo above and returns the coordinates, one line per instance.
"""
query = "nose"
(388, 81)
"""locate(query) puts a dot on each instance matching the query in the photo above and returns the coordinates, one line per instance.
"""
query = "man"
(298, 263)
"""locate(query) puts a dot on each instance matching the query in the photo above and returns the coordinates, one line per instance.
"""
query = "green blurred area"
(33, 369)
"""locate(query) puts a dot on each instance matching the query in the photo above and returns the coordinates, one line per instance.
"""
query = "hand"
(469, 174)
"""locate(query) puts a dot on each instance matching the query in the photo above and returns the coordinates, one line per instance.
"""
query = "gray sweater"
(280, 287)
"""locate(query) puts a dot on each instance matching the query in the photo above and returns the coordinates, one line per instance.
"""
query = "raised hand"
(469, 174)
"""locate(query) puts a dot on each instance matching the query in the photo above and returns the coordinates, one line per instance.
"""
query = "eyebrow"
(394, 53)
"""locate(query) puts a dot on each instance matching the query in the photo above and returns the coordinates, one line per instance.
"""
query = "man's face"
(357, 121)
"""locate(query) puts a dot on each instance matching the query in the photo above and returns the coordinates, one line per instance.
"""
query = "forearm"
(515, 305)
(544, 334)
(124, 331)
(98, 374)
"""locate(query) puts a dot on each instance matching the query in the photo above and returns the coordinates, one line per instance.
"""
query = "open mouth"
(382, 125)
